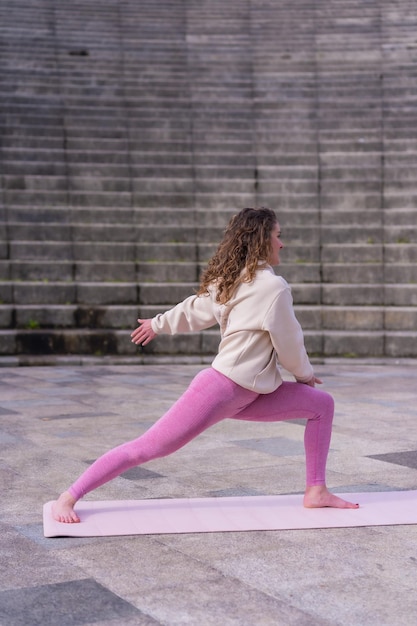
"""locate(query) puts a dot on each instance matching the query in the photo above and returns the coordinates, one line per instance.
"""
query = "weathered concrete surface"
(55, 420)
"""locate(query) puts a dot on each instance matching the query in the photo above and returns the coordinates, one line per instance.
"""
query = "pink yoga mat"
(205, 515)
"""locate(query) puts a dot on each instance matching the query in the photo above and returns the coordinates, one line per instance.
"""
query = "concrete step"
(345, 217)
(5, 270)
(346, 253)
(109, 316)
(95, 151)
(401, 344)
(13, 169)
(63, 214)
(70, 316)
(356, 146)
(124, 252)
(121, 252)
(368, 234)
(403, 234)
(40, 251)
(406, 199)
(300, 272)
(190, 272)
(61, 293)
(15, 140)
(4, 249)
(203, 180)
(71, 232)
(101, 342)
(365, 295)
(76, 198)
(340, 160)
(351, 174)
(64, 271)
(162, 293)
(57, 271)
(171, 252)
(33, 231)
(168, 272)
(365, 343)
(369, 318)
(93, 249)
(400, 217)
(404, 273)
(400, 253)
(355, 273)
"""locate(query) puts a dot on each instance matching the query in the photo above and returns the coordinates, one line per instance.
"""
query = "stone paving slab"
(55, 420)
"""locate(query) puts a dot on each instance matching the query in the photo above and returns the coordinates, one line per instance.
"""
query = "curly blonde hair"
(246, 242)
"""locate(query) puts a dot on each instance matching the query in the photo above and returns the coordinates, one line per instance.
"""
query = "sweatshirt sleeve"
(192, 314)
(287, 336)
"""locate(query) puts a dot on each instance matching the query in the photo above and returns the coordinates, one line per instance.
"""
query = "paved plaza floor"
(55, 420)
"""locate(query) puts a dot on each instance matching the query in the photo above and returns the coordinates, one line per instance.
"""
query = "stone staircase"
(131, 132)
(367, 146)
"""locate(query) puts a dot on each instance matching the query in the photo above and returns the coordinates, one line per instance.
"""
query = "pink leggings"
(210, 398)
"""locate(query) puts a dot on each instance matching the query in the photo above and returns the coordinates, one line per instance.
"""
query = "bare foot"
(319, 496)
(63, 509)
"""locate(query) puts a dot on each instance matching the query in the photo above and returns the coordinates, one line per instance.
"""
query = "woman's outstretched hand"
(143, 334)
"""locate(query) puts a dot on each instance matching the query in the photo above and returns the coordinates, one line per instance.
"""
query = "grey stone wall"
(131, 131)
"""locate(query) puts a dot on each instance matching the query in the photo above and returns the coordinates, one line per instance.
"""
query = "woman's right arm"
(192, 314)
(144, 333)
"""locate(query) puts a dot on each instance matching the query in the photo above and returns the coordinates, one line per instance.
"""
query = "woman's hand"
(313, 382)
(144, 333)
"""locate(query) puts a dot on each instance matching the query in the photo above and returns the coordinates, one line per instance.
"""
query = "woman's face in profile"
(276, 245)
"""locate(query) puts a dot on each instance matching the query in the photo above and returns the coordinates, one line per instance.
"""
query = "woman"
(253, 307)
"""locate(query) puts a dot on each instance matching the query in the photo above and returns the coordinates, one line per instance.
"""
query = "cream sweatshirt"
(258, 331)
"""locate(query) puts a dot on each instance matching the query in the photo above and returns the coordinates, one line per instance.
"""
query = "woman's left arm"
(288, 339)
